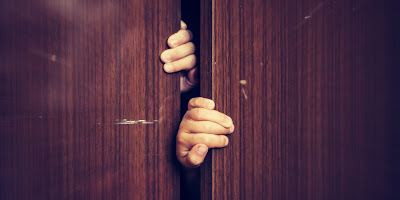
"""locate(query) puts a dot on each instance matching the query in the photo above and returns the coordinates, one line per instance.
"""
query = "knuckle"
(205, 140)
(227, 131)
(185, 118)
(190, 114)
(191, 47)
(211, 103)
(164, 56)
(228, 121)
(184, 34)
(193, 60)
(190, 35)
(173, 37)
(195, 113)
(207, 127)
(180, 140)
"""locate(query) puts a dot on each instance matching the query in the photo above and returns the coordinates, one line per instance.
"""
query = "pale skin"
(202, 127)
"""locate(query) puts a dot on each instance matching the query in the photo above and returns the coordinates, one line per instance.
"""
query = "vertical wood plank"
(86, 109)
(307, 84)
(206, 87)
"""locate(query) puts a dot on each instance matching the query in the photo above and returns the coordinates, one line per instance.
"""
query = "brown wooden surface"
(206, 87)
(314, 118)
(70, 71)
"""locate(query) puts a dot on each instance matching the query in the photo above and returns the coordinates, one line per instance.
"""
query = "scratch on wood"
(244, 93)
(313, 11)
(129, 122)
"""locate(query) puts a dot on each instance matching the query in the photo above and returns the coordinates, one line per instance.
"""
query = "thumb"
(196, 155)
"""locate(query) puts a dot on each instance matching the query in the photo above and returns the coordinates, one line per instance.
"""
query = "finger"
(195, 156)
(202, 114)
(185, 63)
(179, 38)
(212, 141)
(200, 102)
(204, 127)
(177, 53)
(183, 25)
(185, 141)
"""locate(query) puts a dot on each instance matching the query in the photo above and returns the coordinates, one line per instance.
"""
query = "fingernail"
(232, 128)
(202, 150)
(226, 141)
(168, 67)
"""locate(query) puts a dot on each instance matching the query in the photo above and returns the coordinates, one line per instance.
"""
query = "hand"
(201, 128)
(181, 57)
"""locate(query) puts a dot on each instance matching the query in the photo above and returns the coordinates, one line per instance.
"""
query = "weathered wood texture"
(313, 119)
(71, 71)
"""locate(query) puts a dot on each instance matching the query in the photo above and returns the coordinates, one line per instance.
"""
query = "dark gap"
(190, 178)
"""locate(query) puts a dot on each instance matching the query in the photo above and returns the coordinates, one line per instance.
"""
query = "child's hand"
(201, 128)
(181, 57)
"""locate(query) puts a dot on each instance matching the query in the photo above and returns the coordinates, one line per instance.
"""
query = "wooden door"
(86, 109)
(309, 87)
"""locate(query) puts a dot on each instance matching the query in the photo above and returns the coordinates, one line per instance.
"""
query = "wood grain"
(70, 72)
(313, 119)
(206, 88)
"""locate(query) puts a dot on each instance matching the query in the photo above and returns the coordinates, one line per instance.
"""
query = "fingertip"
(196, 155)
(190, 35)
(210, 104)
(192, 103)
(183, 25)
(200, 102)
(232, 128)
(165, 57)
(173, 42)
(202, 150)
(179, 38)
(168, 68)
(228, 122)
(226, 141)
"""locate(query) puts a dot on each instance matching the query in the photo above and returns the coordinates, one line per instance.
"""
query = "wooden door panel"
(86, 109)
(307, 86)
